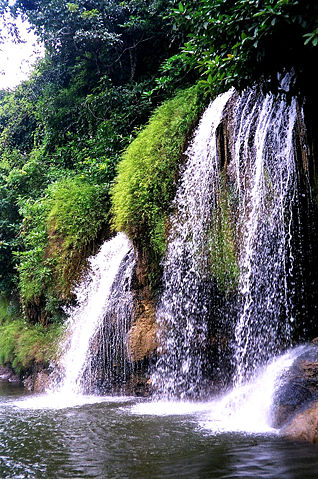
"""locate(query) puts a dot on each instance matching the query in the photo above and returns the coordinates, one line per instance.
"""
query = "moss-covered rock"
(146, 180)
(24, 346)
(222, 245)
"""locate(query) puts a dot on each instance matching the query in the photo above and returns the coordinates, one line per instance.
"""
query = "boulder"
(304, 425)
(298, 391)
(38, 382)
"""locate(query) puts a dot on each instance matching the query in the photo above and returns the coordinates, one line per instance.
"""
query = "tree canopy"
(236, 43)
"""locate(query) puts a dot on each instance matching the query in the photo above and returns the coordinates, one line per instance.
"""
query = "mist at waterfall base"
(74, 432)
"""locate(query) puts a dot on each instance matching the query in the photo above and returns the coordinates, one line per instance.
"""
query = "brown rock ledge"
(304, 425)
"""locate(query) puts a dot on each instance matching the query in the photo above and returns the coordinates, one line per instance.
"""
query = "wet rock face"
(123, 351)
(298, 390)
(142, 337)
(304, 425)
(38, 382)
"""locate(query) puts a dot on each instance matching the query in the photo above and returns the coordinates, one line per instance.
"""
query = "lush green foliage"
(34, 234)
(77, 211)
(146, 176)
(23, 345)
(4, 304)
(78, 214)
(59, 232)
(73, 118)
(8, 233)
(238, 42)
(101, 37)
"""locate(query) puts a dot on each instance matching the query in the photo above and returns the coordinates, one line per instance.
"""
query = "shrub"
(77, 217)
(34, 269)
(59, 232)
(23, 345)
(236, 43)
(77, 211)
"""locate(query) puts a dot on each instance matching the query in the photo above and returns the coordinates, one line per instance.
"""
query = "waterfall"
(249, 189)
(248, 407)
(96, 331)
(186, 299)
(264, 160)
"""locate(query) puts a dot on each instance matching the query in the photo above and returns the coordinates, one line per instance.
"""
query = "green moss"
(23, 345)
(145, 184)
(222, 249)
(77, 211)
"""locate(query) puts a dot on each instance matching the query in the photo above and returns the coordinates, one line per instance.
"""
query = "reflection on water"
(107, 440)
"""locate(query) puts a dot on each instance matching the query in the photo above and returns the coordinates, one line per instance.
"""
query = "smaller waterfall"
(246, 408)
(107, 366)
(103, 312)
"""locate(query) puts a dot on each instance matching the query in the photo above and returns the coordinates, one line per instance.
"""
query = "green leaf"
(181, 7)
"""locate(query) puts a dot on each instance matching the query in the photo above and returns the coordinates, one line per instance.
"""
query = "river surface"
(123, 438)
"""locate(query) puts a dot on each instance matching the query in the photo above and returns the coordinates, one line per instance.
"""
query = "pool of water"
(122, 438)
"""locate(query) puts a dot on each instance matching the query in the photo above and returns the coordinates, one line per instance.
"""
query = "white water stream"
(246, 408)
(265, 167)
(94, 295)
(186, 300)
(254, 193)
(103, 296)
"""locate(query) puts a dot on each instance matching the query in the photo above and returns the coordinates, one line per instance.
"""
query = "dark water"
(106, 440)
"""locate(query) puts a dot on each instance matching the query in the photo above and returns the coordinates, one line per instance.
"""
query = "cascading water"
(186, 300)
(266, 182)
(107, 365)
(100, 319)
(259, 175)
(251, 184)
(234, 210)
(247, 407)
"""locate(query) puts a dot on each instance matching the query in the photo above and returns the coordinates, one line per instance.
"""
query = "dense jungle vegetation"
(92, 141)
